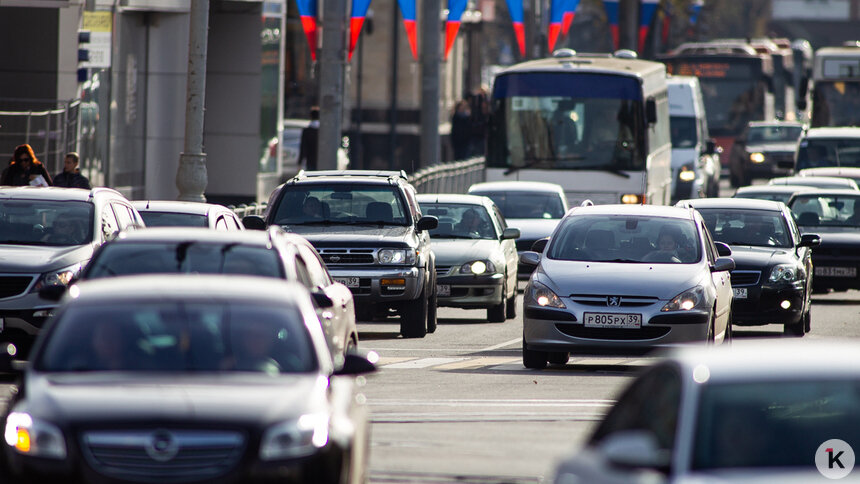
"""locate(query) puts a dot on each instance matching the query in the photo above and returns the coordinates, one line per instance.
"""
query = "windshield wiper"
(452, 236)
(619, 260)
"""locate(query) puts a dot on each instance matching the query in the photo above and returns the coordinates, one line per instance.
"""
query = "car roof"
(773, 189)
(196, 234)
(756, 124)
(645, 210)
(832, 191)
(736, 203)
(452, 198)
(824, 170)
(516, 186)
(54, 193)
(176, 206)
(801, 180)
(833, 132)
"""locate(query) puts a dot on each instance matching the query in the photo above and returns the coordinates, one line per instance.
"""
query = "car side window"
(710, 248)
(502, 224)
(108, 222)
(792, 227)
(233, 222)
(124, 216)
(414, 208)
(302, 273)
(221, 224)
(316, 269)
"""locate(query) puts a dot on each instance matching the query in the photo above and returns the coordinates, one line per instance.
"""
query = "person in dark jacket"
(461, 130)
(308, 145)
(24, 169)
(71, 176)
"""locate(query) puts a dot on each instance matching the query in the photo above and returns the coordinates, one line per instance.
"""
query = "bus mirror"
(651, 111)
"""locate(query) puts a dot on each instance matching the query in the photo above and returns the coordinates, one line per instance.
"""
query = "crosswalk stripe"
(477, 363)
(422, 363)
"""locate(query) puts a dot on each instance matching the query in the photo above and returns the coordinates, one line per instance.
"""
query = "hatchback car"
(476, 259)
(772, 280)
(778, 193)
(628, 276)
(747, 413)
(186, 379)
(816, 181)
(172, 213)
(272, 253)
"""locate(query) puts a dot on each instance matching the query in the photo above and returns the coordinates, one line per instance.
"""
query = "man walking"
(71, 176)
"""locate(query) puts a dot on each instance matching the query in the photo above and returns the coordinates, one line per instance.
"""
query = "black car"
(368, 228)
(772, 279)
(765, 149)
(217, 379)
(835, 215)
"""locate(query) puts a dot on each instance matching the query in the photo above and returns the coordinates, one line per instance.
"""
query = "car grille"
(643, 333)
(525, 244)
(442, 270)
(745, 278)
(11, 286)
(780, 156)
(604, 300)
(347, 256)
(162, 455)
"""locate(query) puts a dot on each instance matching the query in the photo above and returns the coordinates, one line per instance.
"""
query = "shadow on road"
(377, 335)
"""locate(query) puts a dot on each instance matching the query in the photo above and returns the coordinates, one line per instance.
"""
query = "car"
(172, 213)
(765, 149)
(772, 279)
(779, 193)
(835, 216)
(815, 181)
(625, 276)
(272, 253)
(828, 147)
(695, 158)
(837, 171)
(47, 235)
(369, 230)
(199, 378)
(533, 207)
(476, 257)
(744, 413)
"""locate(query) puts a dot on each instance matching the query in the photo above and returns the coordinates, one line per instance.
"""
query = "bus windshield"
(732, 103)
(836, 104)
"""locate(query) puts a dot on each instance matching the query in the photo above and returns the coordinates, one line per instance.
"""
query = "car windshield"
(826, 210)
(814, 153)
(683, 131)
(172, 219)
(178, 336)
(128, 258)
(626, 238)
(773, 424)
(773, 134)
(521, 204)
(45, 222)
(341, 203)
(747, 227)
(460, 221)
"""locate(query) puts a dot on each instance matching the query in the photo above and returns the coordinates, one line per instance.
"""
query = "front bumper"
(763, 305)
(470, 291)
(371, 289)
(26, 313)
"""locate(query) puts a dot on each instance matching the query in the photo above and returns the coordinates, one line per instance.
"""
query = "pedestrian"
(461, 130)
(308, 145)
(479, 106)
(24, 169)
(71, 176)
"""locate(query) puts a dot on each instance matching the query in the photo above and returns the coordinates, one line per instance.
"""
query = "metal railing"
(51, 132)
(252, 209)
(453, 177)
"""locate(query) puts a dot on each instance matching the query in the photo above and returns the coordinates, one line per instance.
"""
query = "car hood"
(771, 148)
(30, 258)
(533, 228)
(663, 281)
(454, 251)
(105, 397)
(355, 235)
(755, 258)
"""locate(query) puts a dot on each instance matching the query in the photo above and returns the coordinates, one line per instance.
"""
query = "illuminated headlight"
(61, 277)
(295, 438)
(477, 267)
(783, 273)
(632, 198)
(396, 256)
(686, 174)
(543, 296)
(757, 157)
(693, 298)
(34, 437)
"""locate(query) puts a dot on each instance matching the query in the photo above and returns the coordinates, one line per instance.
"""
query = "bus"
(596, 124)
(836, 86)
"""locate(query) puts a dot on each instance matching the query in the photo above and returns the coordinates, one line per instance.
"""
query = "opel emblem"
(613, 301)
(162, 446)
(335, 258)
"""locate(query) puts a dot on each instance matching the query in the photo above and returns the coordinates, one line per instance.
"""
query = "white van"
(695, 160)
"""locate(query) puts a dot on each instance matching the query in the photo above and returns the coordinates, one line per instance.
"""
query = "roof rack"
(376, 173)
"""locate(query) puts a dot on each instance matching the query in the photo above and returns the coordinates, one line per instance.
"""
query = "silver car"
(476, 258)
(625, 276)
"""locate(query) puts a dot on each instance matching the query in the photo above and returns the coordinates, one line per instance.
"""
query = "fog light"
(23, 441)
(757, 157)
(394, 284)
(632, 198)
(687, 175)
(785, 304)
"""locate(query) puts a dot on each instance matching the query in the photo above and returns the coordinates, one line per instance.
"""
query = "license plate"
(740, 292)
(443, 290)
(612, 320)
(347, 281)
(827, 271)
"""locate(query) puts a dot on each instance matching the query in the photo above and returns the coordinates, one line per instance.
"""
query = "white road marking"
(502, 345)
(422, 363)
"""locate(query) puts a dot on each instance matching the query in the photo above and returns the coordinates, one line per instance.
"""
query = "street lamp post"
(191, 175)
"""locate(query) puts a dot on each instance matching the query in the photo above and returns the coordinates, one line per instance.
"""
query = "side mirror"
(52, 293)
(510, 233)
(723, 264)
(651, 111)
(254, 222)
(321, 299)
(530, 258)
(634, 449)
(356, 363)
(540, 244)
(809, 240)
(427, 222)
(723, 250)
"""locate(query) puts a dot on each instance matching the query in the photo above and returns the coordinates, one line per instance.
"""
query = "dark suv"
(368, 228)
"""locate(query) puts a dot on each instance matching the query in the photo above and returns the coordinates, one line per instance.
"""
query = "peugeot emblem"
(613, 301)
(335, 258)
(162, 446)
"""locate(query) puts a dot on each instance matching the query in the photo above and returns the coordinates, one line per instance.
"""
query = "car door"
(804, 254)
(509, 249)
(722, 284)
(338, 320)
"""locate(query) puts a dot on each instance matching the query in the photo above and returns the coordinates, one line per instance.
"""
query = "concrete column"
(191, 174)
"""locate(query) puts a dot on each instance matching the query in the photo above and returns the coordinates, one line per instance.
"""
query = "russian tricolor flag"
(455, 13)
(515, 7)
(407, 9)
(308, 14)
(556, 14)
(569, 14)
(647, 9)
(611, 7)
(359, 11)
(695, 8)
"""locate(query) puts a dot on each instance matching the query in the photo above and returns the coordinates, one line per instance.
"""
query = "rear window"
(169, 219)
(521, 204)
(814, 153)
(341, 203)
(747, 227)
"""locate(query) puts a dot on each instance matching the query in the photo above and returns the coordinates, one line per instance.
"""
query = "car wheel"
(534, 360)
(413, 317)
(727, 339)
(432, 318)
(807, 321)
(796, 329)
(496, 313)
(511, 306)
(558, 357)
(709, 339)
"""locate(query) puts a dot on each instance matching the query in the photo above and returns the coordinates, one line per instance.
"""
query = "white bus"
(596, 124)
(836, 86)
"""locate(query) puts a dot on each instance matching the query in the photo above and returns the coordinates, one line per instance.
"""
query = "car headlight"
(396, 256)
(783, 273)
(543, 296)
(477, 267)
(757, 157)
(34, 437)
(693, 298)
(60, 277)
(295, 438)
(687, 174)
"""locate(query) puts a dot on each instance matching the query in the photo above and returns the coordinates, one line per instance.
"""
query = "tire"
(796, 329)
(709, 339)
(533, 360)
(432, 319)
(511, 306)
(807, 321)
(558, 357)
(413, 317)
(729, 333)
(496, 313)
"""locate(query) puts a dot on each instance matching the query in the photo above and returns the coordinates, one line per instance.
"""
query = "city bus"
(596, 124)
(836, 86)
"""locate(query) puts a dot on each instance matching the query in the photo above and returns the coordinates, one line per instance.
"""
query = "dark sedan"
(764, 150)
(186, 379)
(772, 279)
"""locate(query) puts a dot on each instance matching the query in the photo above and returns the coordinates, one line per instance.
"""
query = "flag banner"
(455, 13)
(515, 7)
(695, 8)
(308, 15)
(569, 14)
(407, 9)
(556, 14)
(611, 7)
(647, 9)
(356, 20)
